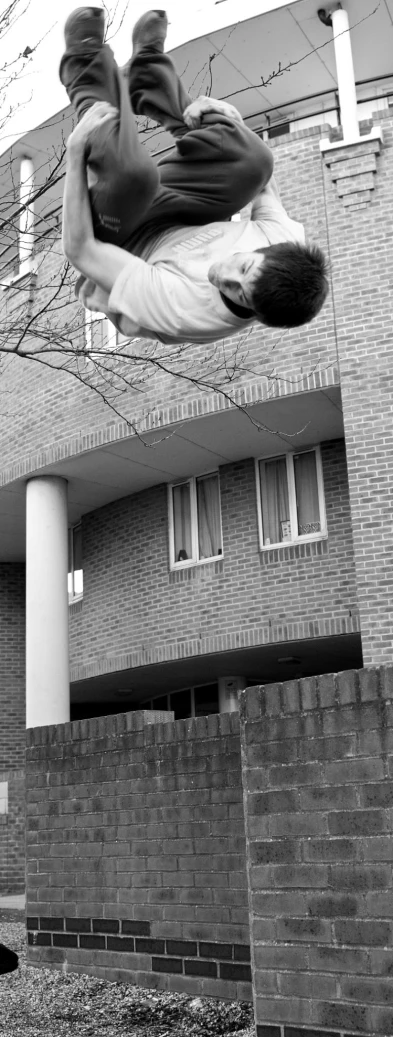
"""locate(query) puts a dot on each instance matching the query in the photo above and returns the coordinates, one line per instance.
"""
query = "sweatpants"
(211, 173)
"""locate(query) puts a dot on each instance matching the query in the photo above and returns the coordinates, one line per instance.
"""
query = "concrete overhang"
(234, 60)
(264, 664)
(191, 447)
(233, 52)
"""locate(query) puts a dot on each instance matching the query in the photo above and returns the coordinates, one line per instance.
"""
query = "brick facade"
(12, 833)
(317, 760)
(12, 725)
(134, 606)
(362, 298)
(56, 401)
(12, 666)
(136, 852)
(352, 336)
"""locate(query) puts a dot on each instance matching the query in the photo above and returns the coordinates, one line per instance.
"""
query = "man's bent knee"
(119, 207)
(258, 161)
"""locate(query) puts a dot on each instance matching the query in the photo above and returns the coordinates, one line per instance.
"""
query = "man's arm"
(97, 260)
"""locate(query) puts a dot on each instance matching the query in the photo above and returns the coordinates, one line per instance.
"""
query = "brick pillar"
(367, 405)
(317, 757)
(12, 727)
(12, 666)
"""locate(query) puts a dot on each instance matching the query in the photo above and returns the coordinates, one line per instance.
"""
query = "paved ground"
(12, 908)
(17, 901)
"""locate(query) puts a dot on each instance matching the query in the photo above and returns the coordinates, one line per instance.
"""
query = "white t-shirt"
(166, 294)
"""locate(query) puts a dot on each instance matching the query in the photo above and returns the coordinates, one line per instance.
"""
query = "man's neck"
(238, 311)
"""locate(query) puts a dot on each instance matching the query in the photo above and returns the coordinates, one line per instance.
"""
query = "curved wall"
(136, 610)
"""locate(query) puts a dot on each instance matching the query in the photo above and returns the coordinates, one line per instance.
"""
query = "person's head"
(285, 285)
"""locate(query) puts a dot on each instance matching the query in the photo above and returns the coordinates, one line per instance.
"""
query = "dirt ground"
(41, 1003)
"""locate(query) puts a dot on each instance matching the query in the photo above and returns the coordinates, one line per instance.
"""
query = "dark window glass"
(160, 703)
(278, 131)
(206, 700)
(180, 702)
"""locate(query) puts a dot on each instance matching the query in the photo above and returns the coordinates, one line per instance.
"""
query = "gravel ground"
(41, 1003)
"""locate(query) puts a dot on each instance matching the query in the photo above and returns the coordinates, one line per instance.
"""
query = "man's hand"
(96, 116)
(193, 115)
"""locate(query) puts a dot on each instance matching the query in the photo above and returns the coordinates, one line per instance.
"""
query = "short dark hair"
(292, 285)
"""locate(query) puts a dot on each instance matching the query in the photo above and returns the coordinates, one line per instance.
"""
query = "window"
(3, 797)
(290, 498)
(195, 520)
(191, 702)
(75, 569)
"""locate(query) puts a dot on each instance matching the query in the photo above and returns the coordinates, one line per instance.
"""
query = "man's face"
(235, 275)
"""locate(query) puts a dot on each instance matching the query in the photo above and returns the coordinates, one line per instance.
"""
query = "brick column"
(317, 757)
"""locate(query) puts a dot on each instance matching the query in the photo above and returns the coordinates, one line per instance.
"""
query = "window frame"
(195, 560)
(115, 338)
(290, 472)
(72, 596)
(192, 689)
(94, 317)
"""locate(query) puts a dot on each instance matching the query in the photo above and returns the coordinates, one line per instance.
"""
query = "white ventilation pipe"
(26, 219)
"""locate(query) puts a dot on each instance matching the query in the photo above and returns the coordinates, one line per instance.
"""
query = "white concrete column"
(47, 660)
(228, 688)
(26, 219)
(345, 73)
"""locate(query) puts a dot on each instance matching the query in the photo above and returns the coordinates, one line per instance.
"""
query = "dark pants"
(212, 172)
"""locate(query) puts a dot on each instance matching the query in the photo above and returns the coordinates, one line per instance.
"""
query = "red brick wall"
(12, 666)
(317, 761)
(136, 852)
(132, 603)
(12, 834)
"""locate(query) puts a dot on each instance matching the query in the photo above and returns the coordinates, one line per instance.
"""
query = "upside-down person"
(154, 243)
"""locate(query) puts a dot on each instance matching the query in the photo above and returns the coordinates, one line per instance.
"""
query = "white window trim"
(72, 597)
(91, 319)
(29, 266)
(111, 334)
(309, 537)
(190, 562)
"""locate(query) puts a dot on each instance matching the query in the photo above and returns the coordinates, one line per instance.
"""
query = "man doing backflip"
(154, 243)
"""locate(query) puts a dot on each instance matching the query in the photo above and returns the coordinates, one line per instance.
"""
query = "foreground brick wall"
(317, 772)
(12, 834)
(136, 852)
(133, 604)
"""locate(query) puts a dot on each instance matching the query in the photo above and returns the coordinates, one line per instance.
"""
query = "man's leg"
(214, 170)
(126, 178)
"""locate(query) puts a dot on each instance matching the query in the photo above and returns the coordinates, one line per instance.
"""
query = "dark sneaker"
(85, 29)
(150, 32)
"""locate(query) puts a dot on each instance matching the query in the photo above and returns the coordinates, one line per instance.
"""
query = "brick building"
(232, 546)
